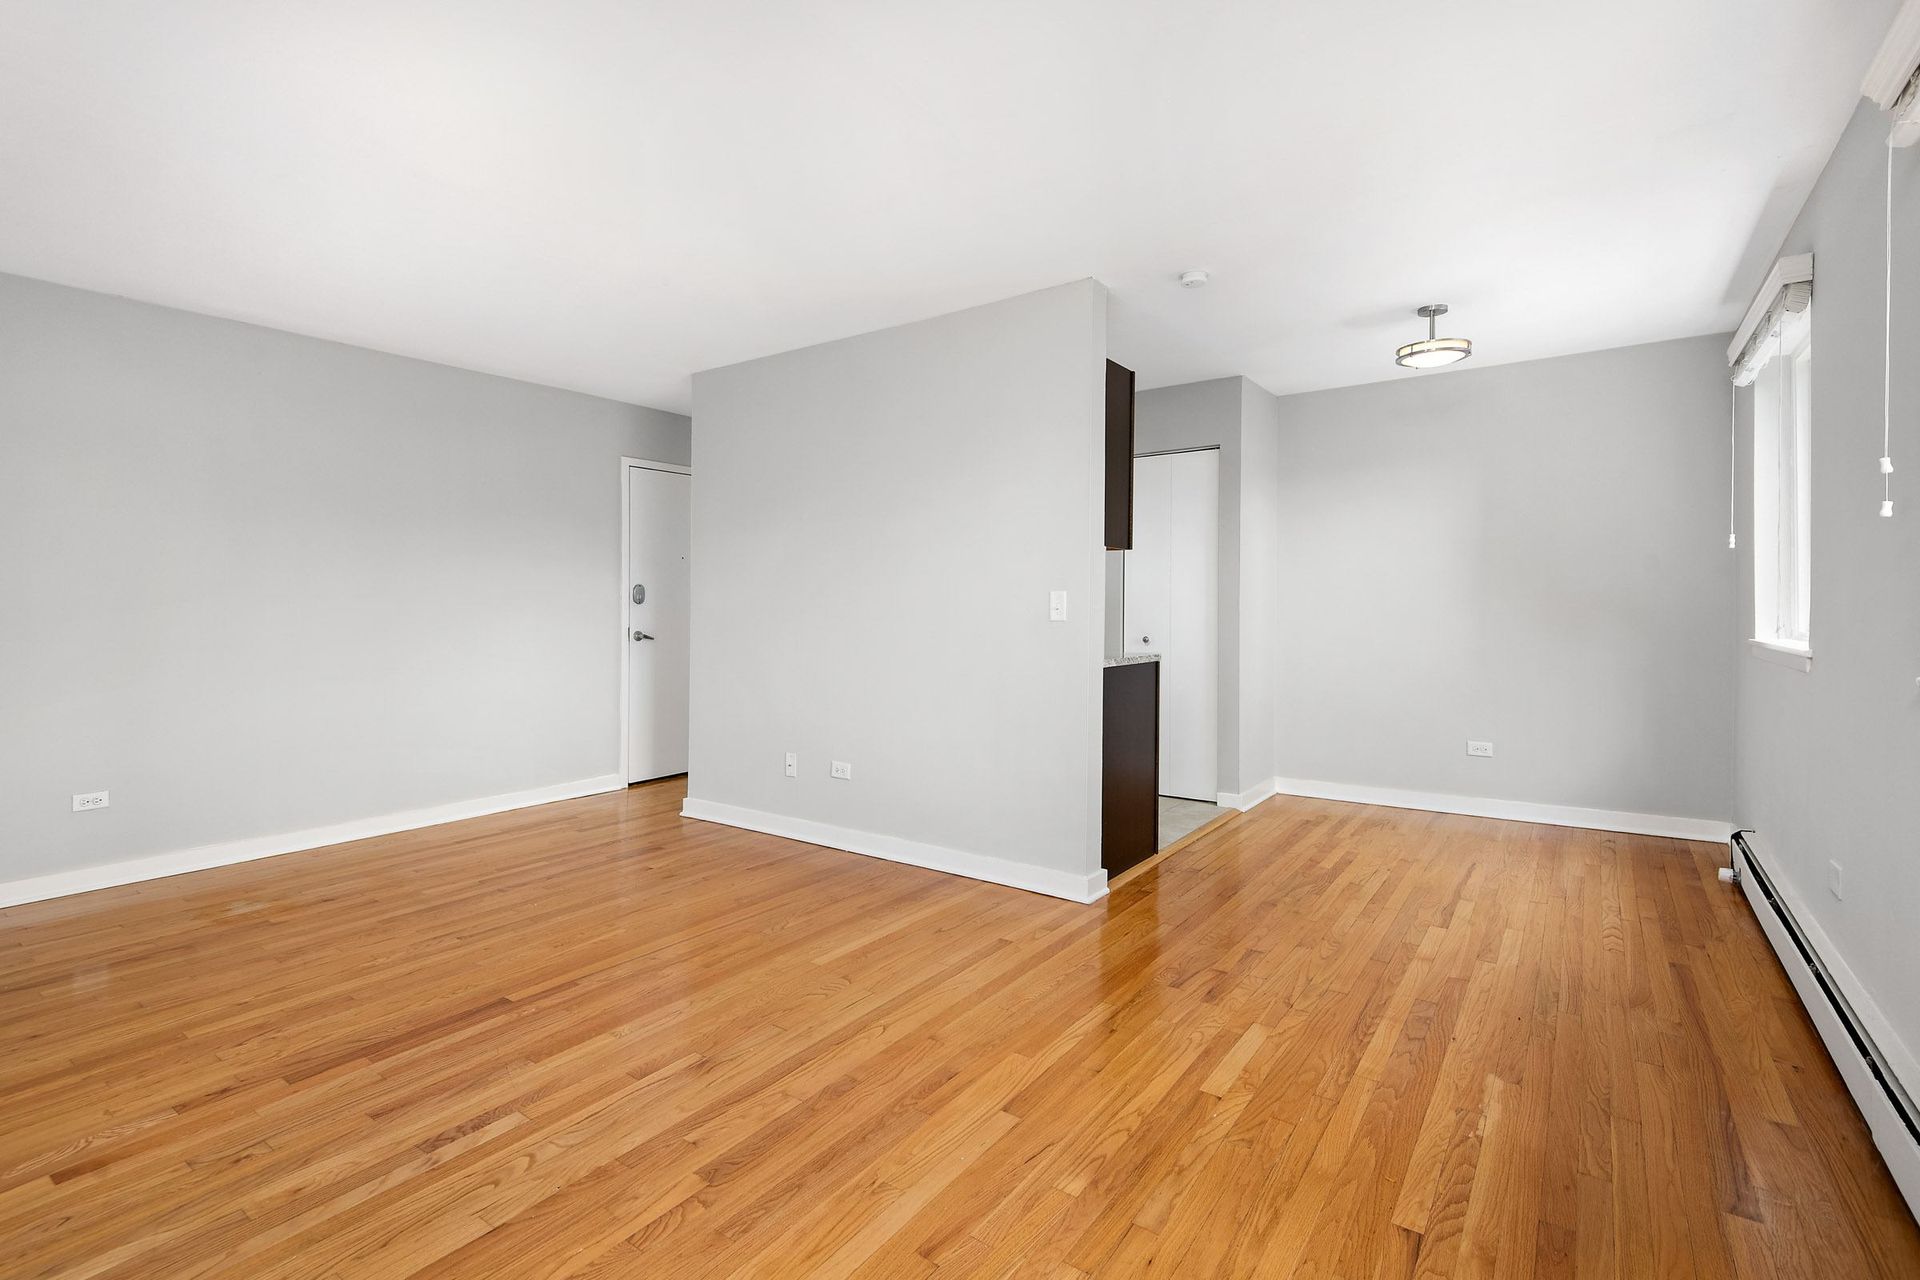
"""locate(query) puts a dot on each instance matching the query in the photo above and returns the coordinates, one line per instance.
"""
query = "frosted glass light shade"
(1431, 353)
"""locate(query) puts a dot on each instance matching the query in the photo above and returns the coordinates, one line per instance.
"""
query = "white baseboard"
(975, 866)
(1245, 800)
(1897, 1147)
(108, 875)
(1644, 824)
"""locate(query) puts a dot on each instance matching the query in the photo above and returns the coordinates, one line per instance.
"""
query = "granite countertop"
(1128, 659)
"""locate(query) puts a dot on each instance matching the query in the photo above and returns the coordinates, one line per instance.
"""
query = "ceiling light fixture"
(1431, 352)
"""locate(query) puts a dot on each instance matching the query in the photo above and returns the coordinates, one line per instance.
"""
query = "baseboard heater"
(1875, 1062)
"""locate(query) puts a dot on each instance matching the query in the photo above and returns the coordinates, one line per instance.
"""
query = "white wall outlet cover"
(1057, 607)
(841, 769)
(86, 800)
(1480, 748)
(793, 765)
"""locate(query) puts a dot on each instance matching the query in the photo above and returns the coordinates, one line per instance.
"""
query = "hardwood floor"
(594, 1039)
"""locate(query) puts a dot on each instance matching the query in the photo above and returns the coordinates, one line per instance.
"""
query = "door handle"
(641, 635)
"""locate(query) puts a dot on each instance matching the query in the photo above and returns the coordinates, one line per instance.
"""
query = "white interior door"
(1171, 608)
(658, 534)
(1145, 603)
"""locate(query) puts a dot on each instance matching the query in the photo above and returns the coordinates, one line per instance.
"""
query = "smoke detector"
(1192, 279)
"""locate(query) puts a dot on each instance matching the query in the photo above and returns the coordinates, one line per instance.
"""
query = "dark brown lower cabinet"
(1129, 765)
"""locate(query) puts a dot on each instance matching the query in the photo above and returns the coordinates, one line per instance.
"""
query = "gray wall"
(1826, 761)
(877, 523)
(1533, 554)
(255, 583)
(1242, 421)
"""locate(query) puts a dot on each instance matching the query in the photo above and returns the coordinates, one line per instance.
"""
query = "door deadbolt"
(639, 593)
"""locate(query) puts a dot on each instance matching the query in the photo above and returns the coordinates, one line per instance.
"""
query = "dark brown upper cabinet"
(1119, 457)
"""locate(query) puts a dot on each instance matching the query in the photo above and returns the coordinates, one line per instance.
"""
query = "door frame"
(627, 466)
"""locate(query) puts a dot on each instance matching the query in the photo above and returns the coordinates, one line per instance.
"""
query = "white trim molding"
(1792, 656)
(975, 866)
(1245, 800)
(207, 856)
(1794, 269)
(1896, 1146)
(1555, 815)
(1892, 67)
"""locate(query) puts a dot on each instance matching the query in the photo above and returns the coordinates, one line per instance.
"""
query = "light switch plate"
(1057, 607)
(793, 765)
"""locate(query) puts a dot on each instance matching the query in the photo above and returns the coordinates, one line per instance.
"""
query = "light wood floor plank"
(598, 1040)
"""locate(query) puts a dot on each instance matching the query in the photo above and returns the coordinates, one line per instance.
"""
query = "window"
(1782, 488)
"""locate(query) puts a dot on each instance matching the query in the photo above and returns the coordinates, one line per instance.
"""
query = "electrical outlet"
(89, 800)
(793, 765)
(1480, 748)
(1833, 880)
(841, 769)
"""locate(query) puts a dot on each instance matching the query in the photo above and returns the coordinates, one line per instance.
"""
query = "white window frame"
(1783, 496)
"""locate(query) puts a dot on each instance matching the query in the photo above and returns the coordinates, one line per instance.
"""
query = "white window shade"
(1890, 74)
(1906, 115)
(1754, 345)
(1782, 485)
(1771, 308)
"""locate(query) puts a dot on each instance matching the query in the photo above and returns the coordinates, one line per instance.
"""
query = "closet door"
(1144, 608)
(1171, 609)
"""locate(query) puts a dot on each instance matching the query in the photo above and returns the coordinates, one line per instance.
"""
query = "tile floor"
(1179, 816)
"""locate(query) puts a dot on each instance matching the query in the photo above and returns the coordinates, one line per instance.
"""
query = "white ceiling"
(609, 195)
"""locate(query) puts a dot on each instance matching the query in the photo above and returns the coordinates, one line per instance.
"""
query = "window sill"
(1798, 657)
